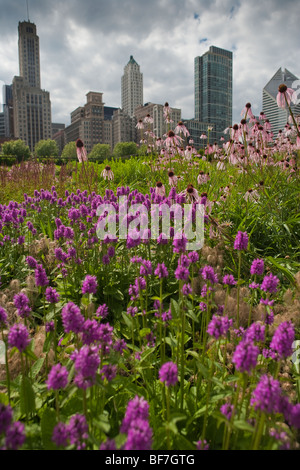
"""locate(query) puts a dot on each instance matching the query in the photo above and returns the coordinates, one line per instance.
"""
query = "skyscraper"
(131, 87)
(277, 116)
(213, 89)
(31, 104)
(8, 111)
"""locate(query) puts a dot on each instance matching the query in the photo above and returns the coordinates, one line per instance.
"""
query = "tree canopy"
(46, 148)
(100, 152)
(69, 151)
(16, 148)
(125, 149)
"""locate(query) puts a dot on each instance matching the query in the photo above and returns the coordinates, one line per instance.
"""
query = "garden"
(121, 332)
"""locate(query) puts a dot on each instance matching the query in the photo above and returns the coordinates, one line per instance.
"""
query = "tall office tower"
(213, 90)
(131, 87)
(277, 116)
(31, 104)
(8, 111)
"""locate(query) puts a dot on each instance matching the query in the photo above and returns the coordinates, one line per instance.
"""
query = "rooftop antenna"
(27, 10)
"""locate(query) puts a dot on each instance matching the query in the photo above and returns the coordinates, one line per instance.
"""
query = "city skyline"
(85, 48)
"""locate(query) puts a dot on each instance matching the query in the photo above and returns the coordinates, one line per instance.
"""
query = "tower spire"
(27, 10)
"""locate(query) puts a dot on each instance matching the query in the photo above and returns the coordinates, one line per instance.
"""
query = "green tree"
(100, 152)
(69, 151)
(46, 148)
(16, 148)
(125, 149)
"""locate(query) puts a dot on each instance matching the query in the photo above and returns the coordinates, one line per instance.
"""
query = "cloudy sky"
(85, 44)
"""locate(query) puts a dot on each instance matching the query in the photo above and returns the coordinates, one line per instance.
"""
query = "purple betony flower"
(6, 416)
(202, 445)
(139, 436)
(78, 431)
(21, 302)
(282, 341)
(245, 356)
(228, 280)
(257, 267)
(89, 285)
(52, 296)
(161, 271)
(41, 278)
(18, 337)
(266, 396)
(168, 373)
(102, 311)
(227, 410)
(72, 318)
(207, 273)
(137, 408)
(15, 436)
(57, 377)
(241, 241)
(109, 372)
(270, 283)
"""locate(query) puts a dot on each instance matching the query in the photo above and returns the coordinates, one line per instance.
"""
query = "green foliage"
(46, 148)
(16, 148)
(69, 151)
(125, 149)
(100, 152)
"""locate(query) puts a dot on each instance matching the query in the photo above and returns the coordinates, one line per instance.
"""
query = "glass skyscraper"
(277, 116)
(213, 90)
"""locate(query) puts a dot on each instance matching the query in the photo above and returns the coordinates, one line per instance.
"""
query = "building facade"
(124, 127)
(277, 116)
(131, 87)
(92, 123)
(8, 111)
(31, 104)
(213, 90)
(156, 111)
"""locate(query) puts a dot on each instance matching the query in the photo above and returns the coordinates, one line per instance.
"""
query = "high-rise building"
(8, 111)
(31, 104)
(131, 87)
(92, 123)
(156, 112)
(277, 116)
(213, 90)
(2, 125)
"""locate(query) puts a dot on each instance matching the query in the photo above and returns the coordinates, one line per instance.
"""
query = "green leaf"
(48, 342)
(243, 425)
(4, 398)
(175, 309)
(48, 422)
(27, 397)
(281, 268)
(35, 369)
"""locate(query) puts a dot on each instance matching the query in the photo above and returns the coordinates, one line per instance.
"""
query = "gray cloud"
(84, 45)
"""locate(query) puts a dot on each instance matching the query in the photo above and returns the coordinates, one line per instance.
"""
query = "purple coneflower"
(285, 95)
(81, 151)
(107, 173)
